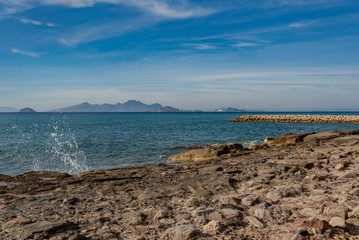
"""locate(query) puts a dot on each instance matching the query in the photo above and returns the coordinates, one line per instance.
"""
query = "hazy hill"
(171, 109)
(27, 110)
(8, 109)
(129, 106)
(229, 109)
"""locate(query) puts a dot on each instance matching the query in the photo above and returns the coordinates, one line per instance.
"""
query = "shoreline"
(297, 186)
(292, 118)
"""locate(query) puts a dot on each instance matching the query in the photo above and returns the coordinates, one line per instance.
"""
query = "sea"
(78, 142)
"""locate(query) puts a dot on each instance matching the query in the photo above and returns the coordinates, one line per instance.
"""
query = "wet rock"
(182, 232)
(337, 222)
(253, 221)
(236, 147)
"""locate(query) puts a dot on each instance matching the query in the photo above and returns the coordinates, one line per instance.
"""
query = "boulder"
(206, 153)
(287, 139)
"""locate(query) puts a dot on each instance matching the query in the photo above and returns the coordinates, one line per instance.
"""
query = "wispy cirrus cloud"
(36, 23)
(302, 24)
(26, 53)
(245, 44)
(199, 46)
(177, 9)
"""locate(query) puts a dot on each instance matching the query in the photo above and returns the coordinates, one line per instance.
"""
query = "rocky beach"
(293, 187)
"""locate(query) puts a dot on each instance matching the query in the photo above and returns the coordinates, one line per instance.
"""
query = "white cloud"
(199, 46)
(26, 53)
(302, 24)
(33, 22)
(245, 44)
(36, 23)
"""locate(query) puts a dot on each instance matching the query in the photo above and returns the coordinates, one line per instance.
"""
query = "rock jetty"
(298, 186)
(299, 118)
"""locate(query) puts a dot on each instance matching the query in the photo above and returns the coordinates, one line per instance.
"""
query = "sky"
(274, 55)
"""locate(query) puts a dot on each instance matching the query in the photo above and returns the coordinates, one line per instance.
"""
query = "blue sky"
(268, 54)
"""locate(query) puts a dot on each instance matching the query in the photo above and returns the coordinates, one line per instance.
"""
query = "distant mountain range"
(129, 106)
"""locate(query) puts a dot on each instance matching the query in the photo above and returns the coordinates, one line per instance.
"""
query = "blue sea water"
(77, 142)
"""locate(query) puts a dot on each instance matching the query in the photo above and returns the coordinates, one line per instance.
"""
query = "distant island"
(27, 110)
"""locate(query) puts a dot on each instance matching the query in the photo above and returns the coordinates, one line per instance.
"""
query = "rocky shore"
(296, 186)
(299, 118)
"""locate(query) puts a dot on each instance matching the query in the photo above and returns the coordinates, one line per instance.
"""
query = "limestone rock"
(230, 212)
(281, 192)
(310, 212)
(250, 200)
(261, 213)
(287, 139)
(337, 222)
(293, 236)
(182, 232)
(336, 210)
(202, 211)
(319, 225)
(206, 153)
(133, 217)
(253, 221)
(213, 227)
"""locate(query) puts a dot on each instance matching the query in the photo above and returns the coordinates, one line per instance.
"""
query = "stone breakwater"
(296, 187)
(299, 118)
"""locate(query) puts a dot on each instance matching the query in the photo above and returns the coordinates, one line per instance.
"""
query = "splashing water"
(51, 148)
(66, 150)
